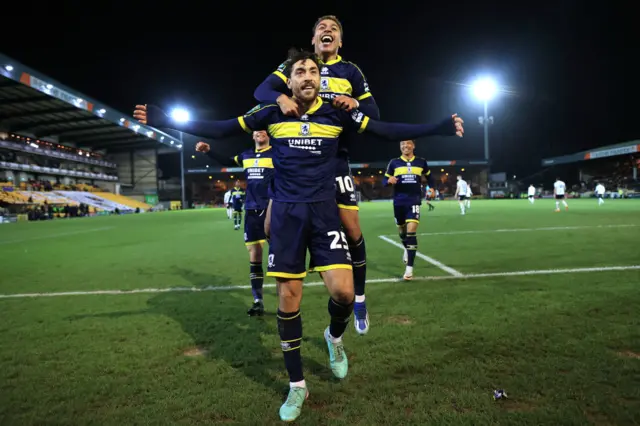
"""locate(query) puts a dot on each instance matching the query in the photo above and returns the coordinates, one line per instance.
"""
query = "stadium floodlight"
(9, 68)
(485, 89)
(180, 115)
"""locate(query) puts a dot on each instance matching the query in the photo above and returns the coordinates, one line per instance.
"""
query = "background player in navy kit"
(258, 166)
(405, 173)
(343, 84)
(305, 214)
(237, 200)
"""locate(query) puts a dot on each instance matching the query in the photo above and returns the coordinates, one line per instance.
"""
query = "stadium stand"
(615, 166)
(61, 150)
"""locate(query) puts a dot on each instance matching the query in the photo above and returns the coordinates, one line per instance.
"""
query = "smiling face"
(407, 147)
(327, 37)
(261, 138)
(304, 80)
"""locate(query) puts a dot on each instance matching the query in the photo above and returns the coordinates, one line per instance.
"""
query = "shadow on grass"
(221, 329)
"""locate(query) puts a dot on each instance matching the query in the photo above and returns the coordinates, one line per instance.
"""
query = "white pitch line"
(431, 260)
(60, 235)
(551, 228)
(320, 283)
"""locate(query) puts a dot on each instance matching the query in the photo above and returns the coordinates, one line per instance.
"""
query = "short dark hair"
(333, 18)
(296, 55)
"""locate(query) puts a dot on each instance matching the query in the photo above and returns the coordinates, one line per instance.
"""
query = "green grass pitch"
(511, 296)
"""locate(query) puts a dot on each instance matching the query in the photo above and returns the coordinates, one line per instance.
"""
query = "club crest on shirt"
(305, 129)
(324, 84)
(357, 116)
(254, 109)
(256, 162)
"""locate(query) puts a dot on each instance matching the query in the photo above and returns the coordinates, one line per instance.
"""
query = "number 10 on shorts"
(345, 184)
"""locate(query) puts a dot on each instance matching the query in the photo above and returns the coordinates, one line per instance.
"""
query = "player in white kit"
(227, 204)
(461, 193)
(531, 193)
(559, 189)
(469, 194)
(600, 193)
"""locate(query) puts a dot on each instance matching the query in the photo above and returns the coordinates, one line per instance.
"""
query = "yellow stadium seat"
(121, 199)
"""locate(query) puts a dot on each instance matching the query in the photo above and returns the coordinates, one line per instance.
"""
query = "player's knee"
(339, 282)
(344, 295)
(289, 293)
(412, 227)
(255, 252)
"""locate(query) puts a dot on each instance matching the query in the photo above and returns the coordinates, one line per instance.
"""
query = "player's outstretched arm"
(223, 160)
(369, 107)
(271, 89)
(154, 116)
(401, 131)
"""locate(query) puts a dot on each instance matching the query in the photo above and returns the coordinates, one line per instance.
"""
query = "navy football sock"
(359, 260)
(290, 329)
(412, 247)
(340, 315)
(256, 275)
(403, 238)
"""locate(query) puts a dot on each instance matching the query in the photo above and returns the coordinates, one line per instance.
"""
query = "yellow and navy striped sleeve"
(280, 72)
(359, 83)
(390, 169)
(258, 118)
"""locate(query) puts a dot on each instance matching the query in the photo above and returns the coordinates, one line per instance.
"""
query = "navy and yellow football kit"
(304, 213)
(407, 192)
(337, 77)
(237, 199)
(258, 170)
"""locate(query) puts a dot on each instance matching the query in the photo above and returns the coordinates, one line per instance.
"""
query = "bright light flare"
(485, 89)
(180, 115)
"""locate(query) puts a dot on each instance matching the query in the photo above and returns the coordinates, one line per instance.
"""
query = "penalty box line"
(431, 260)
(320, 283)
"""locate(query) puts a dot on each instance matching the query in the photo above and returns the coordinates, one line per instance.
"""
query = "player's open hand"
(288, 106)
(140, 113)
(203, 147)
(345, 102)
(458, 122)
(392, 180)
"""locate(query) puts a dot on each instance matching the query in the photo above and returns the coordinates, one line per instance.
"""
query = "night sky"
(567, 68)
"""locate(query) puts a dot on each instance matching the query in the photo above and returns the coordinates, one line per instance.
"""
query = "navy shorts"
(404, 214)
(298, 227)
(254, 227)
(237, 208)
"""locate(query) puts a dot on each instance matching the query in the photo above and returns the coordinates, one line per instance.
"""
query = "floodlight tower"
(485, 89)
(181, 115)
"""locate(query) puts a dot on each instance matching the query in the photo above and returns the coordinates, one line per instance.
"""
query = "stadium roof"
(374, 165)
(606, 151)
(34, 103)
